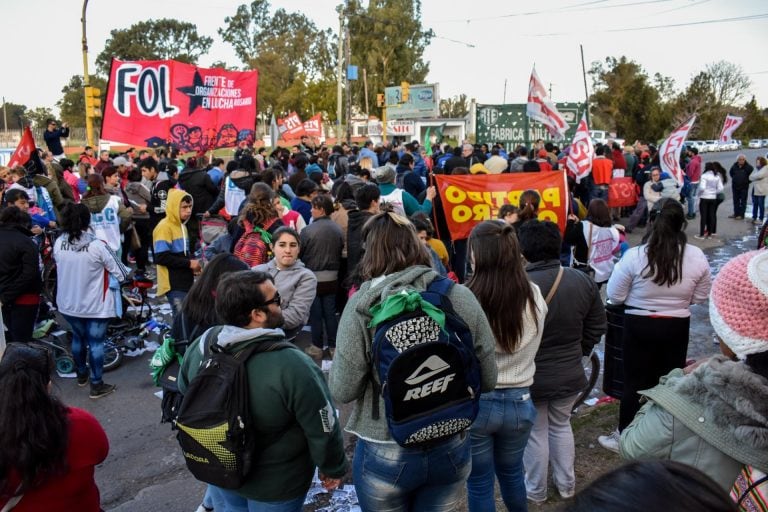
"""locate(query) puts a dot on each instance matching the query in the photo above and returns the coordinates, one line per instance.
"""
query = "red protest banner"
(24, 150)
(468, 200)
(313, 127)
(158, 102)
(622, 192)
(291, 126)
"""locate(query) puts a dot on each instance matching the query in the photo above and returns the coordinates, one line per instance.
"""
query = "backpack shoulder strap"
(553, 290)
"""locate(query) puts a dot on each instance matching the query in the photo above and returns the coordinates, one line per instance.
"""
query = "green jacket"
(292, 409)
(352, 370)
(713, 419)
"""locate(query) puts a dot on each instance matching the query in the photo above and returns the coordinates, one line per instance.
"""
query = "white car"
(755, 144)
(765, 143)
(698, 144)
(712, 145)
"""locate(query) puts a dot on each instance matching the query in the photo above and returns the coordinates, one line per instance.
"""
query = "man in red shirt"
(602, 172)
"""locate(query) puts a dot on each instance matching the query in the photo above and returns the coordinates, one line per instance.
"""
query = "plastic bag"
(163, 357)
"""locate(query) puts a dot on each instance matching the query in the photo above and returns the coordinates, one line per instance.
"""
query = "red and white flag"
(313, 126)
(731, 123)
(582, 151)
(291, 126)
(669, 153)
(541, 109)
(24, 150)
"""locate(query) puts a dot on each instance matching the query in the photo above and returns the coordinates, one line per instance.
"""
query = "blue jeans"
(225, 500)
(499, 435)
(690, 199)
(175, 299)
(391, 478)
(93, 332)
(598, 192)
(323, 312)
(758, 207)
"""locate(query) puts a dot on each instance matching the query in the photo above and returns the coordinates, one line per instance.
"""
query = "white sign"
(401, 127)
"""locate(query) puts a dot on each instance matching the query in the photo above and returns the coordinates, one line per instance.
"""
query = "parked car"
(755, 144)
(712, 145)
(765, 143)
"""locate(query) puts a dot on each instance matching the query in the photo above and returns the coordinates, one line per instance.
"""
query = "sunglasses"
(274, 300)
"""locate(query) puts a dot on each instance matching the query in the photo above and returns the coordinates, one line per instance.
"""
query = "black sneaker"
(101, 389)
(82, 380)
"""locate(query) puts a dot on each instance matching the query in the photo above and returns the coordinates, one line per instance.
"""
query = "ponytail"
(666, 243)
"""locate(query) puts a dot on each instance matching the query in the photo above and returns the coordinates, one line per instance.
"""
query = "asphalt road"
(145, 470)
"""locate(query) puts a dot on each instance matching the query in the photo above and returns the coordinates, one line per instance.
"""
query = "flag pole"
(584, 75)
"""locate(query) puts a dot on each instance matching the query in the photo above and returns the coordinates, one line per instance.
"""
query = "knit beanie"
(738, 303)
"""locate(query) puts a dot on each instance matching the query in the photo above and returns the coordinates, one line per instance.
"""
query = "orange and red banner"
(158, 102)
(622, 192)
(468, 200)
(290, 127)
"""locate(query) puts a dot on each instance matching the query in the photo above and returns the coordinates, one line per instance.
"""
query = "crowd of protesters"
(329, 232)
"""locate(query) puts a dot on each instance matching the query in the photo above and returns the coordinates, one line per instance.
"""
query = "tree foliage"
(755, 122)
(287, 48)
(154, 40)
(455, 107)
(626, 101)
(72, 102)
(39, 116)
(15, 115)
(388, 40)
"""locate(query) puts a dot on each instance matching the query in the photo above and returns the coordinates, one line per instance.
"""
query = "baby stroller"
(214, 237)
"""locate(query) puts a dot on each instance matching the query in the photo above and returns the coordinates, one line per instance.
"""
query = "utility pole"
(365, 90)
(340, 10)
(348, 91)
(86, 81)
(5, 116)
(504, 100)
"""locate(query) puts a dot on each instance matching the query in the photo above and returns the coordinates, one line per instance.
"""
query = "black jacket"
(574, 323)
(454, 162)
(356, 219)
(740, 175)
(199, 185)
(19, 270)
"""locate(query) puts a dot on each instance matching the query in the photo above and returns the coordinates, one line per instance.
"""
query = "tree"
(72, 102)
(287, 48)
(39, 117)
(625, 100)
(154, 40)
(15, 115)
(388, 40)
(728, 82)
(455, 107)
(755, 121)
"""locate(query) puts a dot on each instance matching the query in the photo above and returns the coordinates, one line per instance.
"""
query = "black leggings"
(20, 321)
(708, 221)
(653, 347)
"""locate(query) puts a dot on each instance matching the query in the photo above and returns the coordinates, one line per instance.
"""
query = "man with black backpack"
(257, 417)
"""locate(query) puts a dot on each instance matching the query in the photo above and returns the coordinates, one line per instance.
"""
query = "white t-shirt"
(395, 198)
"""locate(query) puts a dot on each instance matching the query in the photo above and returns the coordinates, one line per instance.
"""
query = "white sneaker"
(611, 441)
(203, 508)
(565, 494)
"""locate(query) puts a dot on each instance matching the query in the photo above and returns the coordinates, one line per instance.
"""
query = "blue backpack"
(428, 373)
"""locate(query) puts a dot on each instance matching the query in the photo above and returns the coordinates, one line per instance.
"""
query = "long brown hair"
(95, 186)
(259, 207)
(391, 245)
(666, 243)
(499, 281)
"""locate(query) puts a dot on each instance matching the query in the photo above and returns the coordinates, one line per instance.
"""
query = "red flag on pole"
(582, 152)
(730, 126)
(669, 153)
(24, 150)
(291, 126)
(540, 108)
(313, 127)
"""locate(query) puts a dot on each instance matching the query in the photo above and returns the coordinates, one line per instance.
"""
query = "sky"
(483, 48)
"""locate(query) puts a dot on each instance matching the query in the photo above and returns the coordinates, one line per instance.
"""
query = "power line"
(673, 25)
(567, 9)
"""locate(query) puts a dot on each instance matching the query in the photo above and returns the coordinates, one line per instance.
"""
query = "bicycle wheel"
(65, 364)
(49, 282)
(592, 371)
(113, 356)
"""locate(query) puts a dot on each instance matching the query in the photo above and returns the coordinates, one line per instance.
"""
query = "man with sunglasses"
(53, 136)
(291, 406)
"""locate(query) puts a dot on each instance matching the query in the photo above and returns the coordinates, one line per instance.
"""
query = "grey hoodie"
(297, 286)
(351, 373)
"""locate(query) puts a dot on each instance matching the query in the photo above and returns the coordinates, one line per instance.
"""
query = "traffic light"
(405, 90)
(92, 102)
(380, 100)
